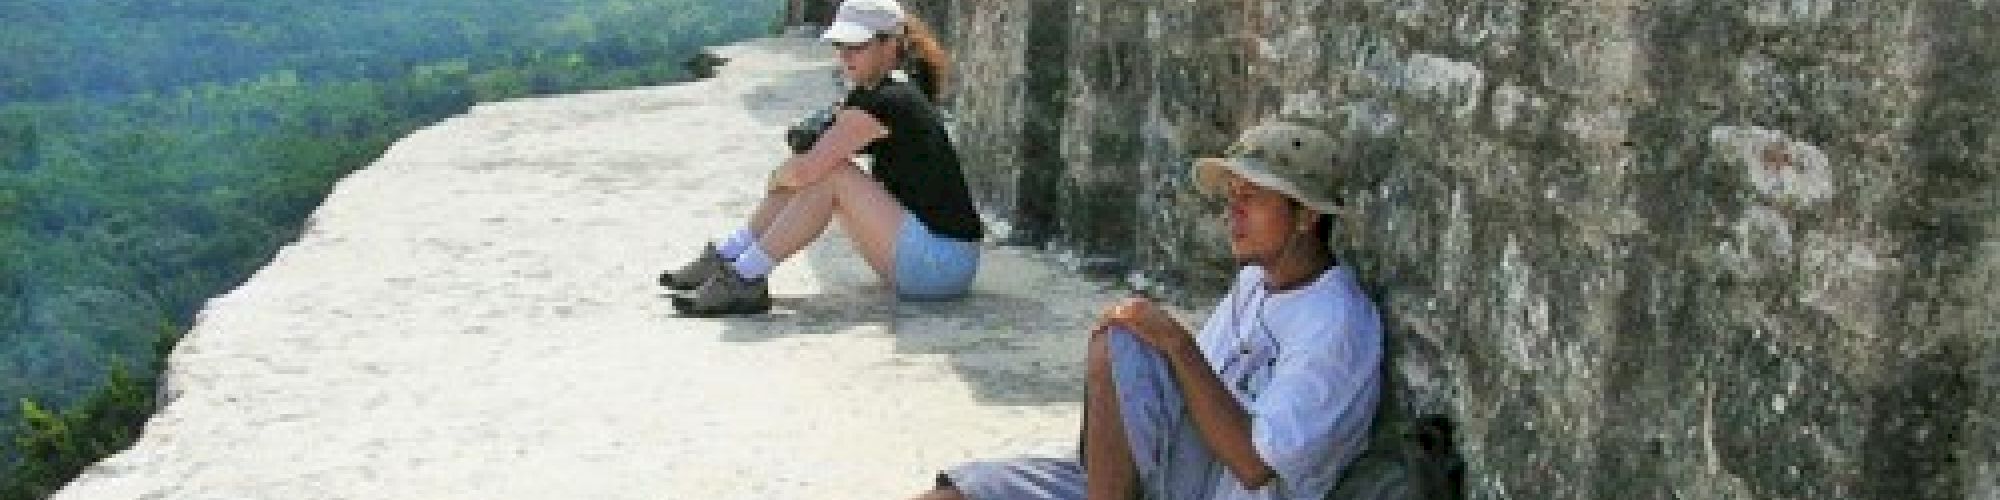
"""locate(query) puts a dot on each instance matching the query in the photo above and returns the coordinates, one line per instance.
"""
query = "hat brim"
(847, 32)
(1211, 177)
(1211, 174)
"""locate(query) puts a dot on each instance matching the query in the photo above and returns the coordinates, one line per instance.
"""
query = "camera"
(802, 135)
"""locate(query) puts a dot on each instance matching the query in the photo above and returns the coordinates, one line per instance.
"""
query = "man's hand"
(1149, 321)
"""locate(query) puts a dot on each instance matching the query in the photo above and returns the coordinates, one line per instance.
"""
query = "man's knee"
(1116, 344)
(941, 493)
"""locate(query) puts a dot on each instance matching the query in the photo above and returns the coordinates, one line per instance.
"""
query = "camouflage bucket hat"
(1281, 155)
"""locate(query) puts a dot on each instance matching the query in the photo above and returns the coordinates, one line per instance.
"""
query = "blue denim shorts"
(932, 267)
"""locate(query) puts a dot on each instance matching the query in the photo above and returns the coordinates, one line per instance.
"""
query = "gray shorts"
(1173, 461)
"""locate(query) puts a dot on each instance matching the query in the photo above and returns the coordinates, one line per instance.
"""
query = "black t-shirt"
(916, 161)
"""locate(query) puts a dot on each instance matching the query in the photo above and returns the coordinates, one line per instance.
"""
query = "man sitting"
(1272, 399)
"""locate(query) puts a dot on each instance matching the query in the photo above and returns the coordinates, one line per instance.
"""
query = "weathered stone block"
(1656, 249)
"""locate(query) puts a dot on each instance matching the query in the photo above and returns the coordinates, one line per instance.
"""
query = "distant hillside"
(154, 153)
(57, 48)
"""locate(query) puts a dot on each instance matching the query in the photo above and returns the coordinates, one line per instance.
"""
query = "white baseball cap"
(859, 20)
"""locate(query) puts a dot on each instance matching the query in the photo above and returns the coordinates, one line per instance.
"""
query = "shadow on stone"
(1010, 346)
(703, 64)
(852, 298)
(808, 315)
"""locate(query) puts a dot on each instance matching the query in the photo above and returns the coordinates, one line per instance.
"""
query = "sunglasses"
(845, 47)
(848, 48)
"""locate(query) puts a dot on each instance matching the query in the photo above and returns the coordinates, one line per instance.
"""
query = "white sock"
(753, 263)
(733, 245)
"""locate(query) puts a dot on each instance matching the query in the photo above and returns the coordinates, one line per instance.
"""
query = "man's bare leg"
(1109, 473)
(941, 494)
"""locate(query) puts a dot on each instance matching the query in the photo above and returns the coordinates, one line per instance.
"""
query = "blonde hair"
(921, 42)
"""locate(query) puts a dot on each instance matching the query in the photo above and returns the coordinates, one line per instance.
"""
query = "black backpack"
(1408, 458)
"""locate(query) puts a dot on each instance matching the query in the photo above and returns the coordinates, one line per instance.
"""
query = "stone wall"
(1664, 249)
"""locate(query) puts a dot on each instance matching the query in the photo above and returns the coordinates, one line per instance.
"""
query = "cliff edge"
(474, 316)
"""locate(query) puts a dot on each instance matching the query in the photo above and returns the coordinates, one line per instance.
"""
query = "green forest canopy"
(154, 153)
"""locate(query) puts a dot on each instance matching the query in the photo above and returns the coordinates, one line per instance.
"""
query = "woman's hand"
(785, 176)
(852, 130)
(1149, 321)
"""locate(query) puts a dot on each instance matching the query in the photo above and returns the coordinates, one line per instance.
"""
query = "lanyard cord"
(1240, 351)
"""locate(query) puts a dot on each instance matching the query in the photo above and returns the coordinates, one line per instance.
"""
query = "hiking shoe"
(692, 275)
(726, 293)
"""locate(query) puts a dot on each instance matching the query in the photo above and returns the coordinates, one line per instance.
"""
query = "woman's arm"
(852, 130)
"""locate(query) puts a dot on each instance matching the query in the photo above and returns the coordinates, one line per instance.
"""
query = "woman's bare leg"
(870, 216)
(774, 203)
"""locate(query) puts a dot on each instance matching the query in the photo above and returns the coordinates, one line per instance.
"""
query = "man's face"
(1261, 221)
